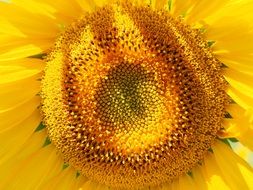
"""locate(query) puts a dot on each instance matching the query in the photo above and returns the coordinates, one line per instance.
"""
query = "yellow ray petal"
(45, 163)
(187, 182)
(30, 24)
(236, 9)
(232, 35)
(237, 173)
(26, 63)
(159, 4)
(25, 88)
(66, 179)
(200, 181)
(241, 81)
(240, 89)
(35, 7)
(33, 144)
(246, 101)
(7, 28)
(10, 74)
(20, 52)
(212, 174)
(100, 3)
(13, 139)
(241, 125)
(65, 11)
(16, 115)
(89, 185)
(243, 65)
(202, 9)
(37, 44)
(242, 151)
(181, 7)
(174, 185)
(87, 5)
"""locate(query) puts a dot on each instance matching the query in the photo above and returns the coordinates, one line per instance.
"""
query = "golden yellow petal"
(240, 80)
(202, 9)
(25, 88)
(7, 28)
(33, 144)
(26, 63)
(235, 9)
(28, 23)
(14, 73)
(199, 179)
(13, 139)
(174, 185)
(212, 174)
(242, 151)
(187, 182)
(65, 11)
(235, 171)
(35, 7)
(231, 29)
(242, 99)
(243, 65)
(181, 7)
(26, 45)
(20, 52)
(159, 4)
(90, 185)
(241, 125)
(33, 171)
(66, 179)
(13, 116)
(86, 5)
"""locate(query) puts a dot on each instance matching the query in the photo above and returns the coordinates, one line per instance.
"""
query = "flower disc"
(132, 97)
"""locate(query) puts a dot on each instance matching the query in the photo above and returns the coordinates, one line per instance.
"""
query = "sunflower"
(106, 94)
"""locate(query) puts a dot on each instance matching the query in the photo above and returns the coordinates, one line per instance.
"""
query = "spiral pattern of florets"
(132, 97)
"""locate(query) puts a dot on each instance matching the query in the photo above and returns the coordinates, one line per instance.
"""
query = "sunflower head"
(129, 90)
(98, 95)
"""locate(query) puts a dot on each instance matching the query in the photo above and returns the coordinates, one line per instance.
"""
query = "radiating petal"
(65, 11)
(66, 179)
(241, 125)
(202, 9)
(181, 7)
(27, 22)
(32, 145)
(240, 80)
(236, 172)
(26, 88)
(212, 174)
(13, 139)
(232, 30)
(14, 116)
(45, 163)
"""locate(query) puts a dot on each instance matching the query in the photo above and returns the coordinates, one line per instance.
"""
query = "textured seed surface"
(132, 97)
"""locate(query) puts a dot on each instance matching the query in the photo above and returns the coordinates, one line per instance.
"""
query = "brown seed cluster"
(132, 97)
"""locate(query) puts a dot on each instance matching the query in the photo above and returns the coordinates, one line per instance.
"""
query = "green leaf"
(40, 127)
(226, 142)
(78, 174)
(65, 165)
(234, 140)
(170, 4)
(210, 43)
(190, 174)
(47, 142)
(39, 56)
